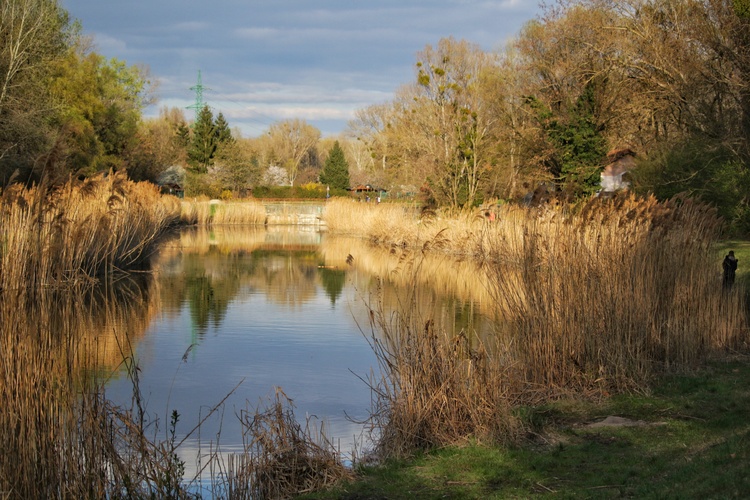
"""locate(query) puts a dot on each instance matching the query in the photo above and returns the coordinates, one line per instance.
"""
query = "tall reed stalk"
(214, 212)
(60, 437)
(608, 295)
(591, 299)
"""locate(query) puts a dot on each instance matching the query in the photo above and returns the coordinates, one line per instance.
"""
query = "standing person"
(730, 269)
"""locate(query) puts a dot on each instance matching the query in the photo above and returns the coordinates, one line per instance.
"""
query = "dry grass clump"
(52, 236)
(382, 223)
(437, 391)
(204, 212)
(281, 459)
(195, 212)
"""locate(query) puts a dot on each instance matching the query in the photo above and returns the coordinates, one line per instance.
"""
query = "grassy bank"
(689, 438)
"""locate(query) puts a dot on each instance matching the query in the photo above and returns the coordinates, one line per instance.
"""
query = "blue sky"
(267, 60)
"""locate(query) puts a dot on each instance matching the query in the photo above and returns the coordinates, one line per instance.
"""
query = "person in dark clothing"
(730, 269)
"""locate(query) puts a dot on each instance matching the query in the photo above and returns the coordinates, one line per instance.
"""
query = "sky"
(262, 61)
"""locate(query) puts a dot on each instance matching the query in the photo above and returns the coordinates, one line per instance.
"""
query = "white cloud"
(321, 59)
(106, 44)
(256, 33)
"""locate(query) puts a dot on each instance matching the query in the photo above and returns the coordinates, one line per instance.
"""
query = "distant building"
(367, 189)
(172, 180)
(619, 163)
(173, 189)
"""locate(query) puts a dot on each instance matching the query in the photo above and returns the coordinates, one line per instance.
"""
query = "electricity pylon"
(199, 103)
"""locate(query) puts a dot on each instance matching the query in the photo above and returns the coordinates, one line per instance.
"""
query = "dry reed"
(56, 236)
(604, 296)
(591, 299)
(402, 226)
(60, 436)
(435, 389)
(280, 458)
(383, 223)
(203, 212)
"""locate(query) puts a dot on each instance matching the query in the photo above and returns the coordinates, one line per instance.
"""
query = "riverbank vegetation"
(53, 236)
(587, 301)
(61, 252)
(597, 305)
(205, 212)
(593, 296)
(585, 307)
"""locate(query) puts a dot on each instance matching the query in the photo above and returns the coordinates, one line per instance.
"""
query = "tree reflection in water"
(284, 308)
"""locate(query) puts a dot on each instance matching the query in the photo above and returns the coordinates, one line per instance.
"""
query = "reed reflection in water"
(277, 308)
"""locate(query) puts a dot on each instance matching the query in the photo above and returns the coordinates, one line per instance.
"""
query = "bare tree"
(446, 121)
(292, 141)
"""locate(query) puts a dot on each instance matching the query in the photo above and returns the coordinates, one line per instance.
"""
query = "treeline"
(665, 79)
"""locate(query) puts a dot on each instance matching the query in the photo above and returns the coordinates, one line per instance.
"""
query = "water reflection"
(281, 308)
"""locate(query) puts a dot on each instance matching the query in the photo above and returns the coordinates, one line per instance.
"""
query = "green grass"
(696, 445)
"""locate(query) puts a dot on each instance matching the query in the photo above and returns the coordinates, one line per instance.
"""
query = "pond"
(239, 312)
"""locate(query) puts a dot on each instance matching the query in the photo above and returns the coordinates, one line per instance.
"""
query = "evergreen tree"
(182, 135)
(203, 143)
(335, 170)
(577, 142)
(223, 133)
(581, 147)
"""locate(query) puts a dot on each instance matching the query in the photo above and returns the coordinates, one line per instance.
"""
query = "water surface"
(252, 310)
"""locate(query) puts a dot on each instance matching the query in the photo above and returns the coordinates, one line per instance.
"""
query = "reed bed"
(436, 389)
(607, 295)
(56, 236)
(589, 300)
(348, 217)
(404, 226)
(61, 437)
(202, 212)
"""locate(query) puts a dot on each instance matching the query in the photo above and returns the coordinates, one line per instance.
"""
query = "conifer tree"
(335, 170)
(223, 133)
(203, 143)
